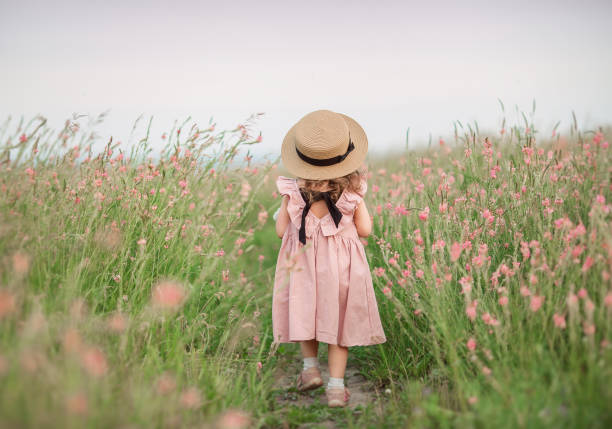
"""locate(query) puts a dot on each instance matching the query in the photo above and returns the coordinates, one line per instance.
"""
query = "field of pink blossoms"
(135, 286)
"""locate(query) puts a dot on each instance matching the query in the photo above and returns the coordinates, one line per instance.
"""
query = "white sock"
(335, 382)
(309, 362)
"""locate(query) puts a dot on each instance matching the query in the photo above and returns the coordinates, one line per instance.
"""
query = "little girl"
(323, 287)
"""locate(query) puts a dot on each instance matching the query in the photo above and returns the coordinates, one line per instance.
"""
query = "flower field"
(135, 286)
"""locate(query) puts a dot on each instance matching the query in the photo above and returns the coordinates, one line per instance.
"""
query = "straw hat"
(324, 145)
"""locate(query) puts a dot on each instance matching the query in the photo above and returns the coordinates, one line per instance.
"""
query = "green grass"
(70, 231)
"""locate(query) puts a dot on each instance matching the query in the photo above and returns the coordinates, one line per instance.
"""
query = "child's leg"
(337, 357)
(309, 348)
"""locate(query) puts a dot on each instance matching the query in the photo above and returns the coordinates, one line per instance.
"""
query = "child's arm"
(283, 217)
(362, 220)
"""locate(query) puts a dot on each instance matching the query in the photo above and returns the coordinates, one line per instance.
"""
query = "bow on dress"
(333, 211)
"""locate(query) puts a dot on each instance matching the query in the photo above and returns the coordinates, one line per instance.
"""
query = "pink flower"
(536, 302)
(165, 383)
(473, 399)
(455, 251)
(588, 263)
(7, 303)
(262, 217)
(582, 293)
(588, 328)
(420, 273)
(94, 361)
(168, 295)
(471, 310)
(424, 214)
(608, 300)
(486, 370)
(503, 300)
(21, 262)
(117, 323)
(489, 320)
(191, 398)
(471, 344)
(559, 320)
(234, 419)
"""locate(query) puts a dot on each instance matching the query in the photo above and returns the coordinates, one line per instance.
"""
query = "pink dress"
(323, 290)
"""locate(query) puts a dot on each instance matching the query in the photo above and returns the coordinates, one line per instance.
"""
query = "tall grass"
(85, 338)
(135, 286)
(493, 258)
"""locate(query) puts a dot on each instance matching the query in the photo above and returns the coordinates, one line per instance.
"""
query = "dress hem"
(329, 340)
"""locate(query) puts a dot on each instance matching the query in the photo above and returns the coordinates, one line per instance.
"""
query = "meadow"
(135, 286)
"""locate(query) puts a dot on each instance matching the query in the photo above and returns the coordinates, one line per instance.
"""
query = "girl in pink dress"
(323, 288)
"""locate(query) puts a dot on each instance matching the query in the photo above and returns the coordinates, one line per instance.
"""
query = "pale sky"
(388, 64)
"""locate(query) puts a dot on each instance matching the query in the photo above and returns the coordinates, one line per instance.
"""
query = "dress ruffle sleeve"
(349, 201)
(288, 186)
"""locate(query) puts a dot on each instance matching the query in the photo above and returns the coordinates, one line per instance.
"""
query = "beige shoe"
(309, 379)
(338, 397)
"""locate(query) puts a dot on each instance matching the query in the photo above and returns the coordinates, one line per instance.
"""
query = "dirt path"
(363, 392)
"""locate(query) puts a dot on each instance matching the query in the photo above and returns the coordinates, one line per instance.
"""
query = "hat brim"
(300, 168)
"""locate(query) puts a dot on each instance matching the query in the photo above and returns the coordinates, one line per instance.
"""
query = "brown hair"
(313, 188)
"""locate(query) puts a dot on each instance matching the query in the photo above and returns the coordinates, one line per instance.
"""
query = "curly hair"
(313, 188)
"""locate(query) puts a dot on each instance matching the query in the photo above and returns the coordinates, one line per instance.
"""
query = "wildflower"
(582, 293)
(424, 214)
(234, 419)
(72, 341)
(473, 399)
(559, 320)
(486, 370)
(246, 189)
(455, 251)
(608, 300)
(191, 398)
(536, 302)
(262, 217)
(94, 361)
(471, 344)
(419, 273)
(220, 252)
(588, 263)
(503, 300)
(7, 303)
(588, 328)
(117, 323)
(168, 295)
(489, 320)
(471, 310)
(21, 262)
(165, 383)
(142, 242)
